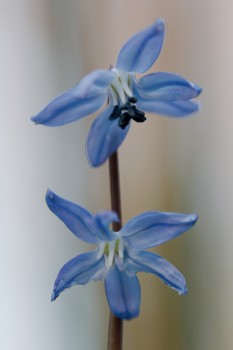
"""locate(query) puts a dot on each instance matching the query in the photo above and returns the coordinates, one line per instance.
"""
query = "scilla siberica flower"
(127, 97)
(119, 255)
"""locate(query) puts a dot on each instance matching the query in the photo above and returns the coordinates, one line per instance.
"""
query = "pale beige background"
(47, 46)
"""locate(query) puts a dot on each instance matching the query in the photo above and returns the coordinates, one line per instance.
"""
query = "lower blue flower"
(119, 256)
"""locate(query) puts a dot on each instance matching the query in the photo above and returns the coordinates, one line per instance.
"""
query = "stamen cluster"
(126, 112)
(123, 100)
(110, 249)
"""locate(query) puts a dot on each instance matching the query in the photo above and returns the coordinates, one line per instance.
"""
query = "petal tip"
(54, 296)
(193, 218)
(160, 24)
(183, 291)
(40, 118)
(49, 194)
(199, 90)
(94, 163)
(34, 120)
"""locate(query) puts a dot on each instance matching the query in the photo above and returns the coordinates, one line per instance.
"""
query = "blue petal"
(166, 87)
(105, 136)
(140, 52)
(76, 218)
(67, 108)
(123, 293)
(96, 83)
(103, 220)
(86, 98)
(171, 109)
(80, 270)
(153, 228)
(142, 261)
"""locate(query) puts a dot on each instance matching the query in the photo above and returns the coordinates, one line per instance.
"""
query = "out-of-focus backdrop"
(166, 164)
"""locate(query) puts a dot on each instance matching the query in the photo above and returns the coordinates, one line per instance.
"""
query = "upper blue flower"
(127, 97)
(119, 255)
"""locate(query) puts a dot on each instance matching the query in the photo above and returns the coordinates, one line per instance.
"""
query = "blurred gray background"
(47, 46)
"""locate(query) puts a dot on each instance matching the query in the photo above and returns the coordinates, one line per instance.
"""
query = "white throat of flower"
(120, 88)
(124, 103)
(110, 249)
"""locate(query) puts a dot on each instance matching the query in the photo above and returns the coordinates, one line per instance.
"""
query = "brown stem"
(115, 330)
(115, 333)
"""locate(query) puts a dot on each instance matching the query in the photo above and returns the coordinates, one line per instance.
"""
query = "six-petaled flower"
(119, 255)
(127, 97)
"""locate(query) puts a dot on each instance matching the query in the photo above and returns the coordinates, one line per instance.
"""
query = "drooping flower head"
(127, 97)
(119, 256)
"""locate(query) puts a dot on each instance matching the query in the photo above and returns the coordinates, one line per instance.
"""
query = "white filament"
(121, 248)
(101, 250)
(111, 252)
(120, 89)
(110, 249)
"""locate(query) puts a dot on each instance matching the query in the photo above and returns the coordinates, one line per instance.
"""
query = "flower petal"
(95, 83)
(80, 270)
(103, 220)
(166, 87)
(140, 52)
(153, 228)
(105, 136)
(171, 109)
(142, 261)
(123, 293)
(87, 97)
(76, 218)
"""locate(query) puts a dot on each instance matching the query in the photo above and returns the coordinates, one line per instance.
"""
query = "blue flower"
(127, 97)
(119, 255)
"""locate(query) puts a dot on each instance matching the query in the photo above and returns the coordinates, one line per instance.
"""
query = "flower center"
(110, 249)
(123, 100)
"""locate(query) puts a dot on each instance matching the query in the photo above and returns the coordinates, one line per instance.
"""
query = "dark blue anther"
(124, 120)
(132, 99)
(126, 112)
(115, 113)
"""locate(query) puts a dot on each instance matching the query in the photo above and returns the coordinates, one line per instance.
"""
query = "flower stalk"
(115, 333)
(115, 328)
